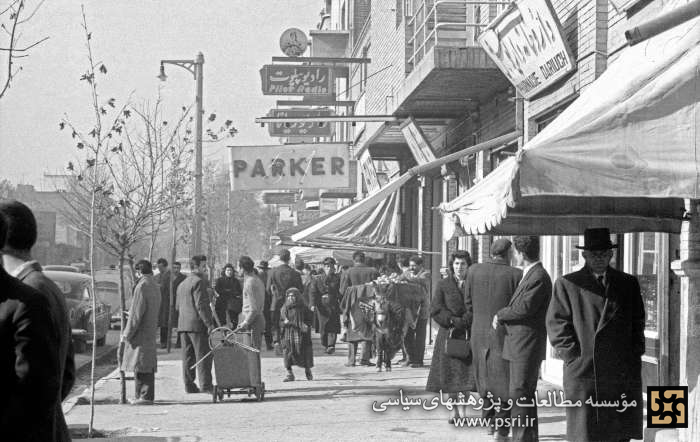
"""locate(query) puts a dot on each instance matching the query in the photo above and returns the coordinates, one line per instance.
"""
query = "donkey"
(388, 325)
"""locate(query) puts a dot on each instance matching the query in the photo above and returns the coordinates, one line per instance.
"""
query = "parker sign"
(289, 167)
(280, 79)
(526, 43)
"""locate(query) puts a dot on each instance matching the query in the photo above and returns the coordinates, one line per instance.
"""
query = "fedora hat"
(597, 239)
(263, 265)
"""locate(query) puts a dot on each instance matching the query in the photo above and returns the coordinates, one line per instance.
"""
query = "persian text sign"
(279, 79)
(527, 44)
(300, 128)
(289, 167)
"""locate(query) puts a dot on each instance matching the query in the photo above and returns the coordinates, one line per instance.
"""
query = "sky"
(237, 37)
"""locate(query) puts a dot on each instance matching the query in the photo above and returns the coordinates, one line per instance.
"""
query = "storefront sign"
(300, 128)
(417, 142)
(527, 44)
(296, 80)
(289, 167)
(369, 173)
(304, 216)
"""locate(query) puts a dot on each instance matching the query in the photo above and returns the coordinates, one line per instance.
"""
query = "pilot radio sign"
(280, 79)
(526, 43)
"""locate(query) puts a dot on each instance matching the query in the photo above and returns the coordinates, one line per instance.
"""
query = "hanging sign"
(527, 44)
(293, 42)
(300, 128)
(415, 138)
(289, 167)
(281, 79)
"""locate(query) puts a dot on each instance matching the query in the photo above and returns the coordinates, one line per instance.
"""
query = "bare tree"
(13, 15)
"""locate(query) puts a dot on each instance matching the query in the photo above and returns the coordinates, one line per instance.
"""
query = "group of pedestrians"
(594, 319)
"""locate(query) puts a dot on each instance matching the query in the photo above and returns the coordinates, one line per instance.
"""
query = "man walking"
(324, 294)
(194, 322)
(263, 274)
(489, 288)
(526, 335)
(253, 301)
(358, 274)
(163, 281)
(140, 355)
(414, 342)
(17, 236)
(595, 322)
(280, 279)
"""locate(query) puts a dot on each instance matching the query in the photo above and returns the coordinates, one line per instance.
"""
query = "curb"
(71, 402)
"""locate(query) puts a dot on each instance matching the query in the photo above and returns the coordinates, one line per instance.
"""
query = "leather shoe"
(349, 364)
(330, 350)
(368, 364)
(289, 378)
(309, 376)
(141, 402)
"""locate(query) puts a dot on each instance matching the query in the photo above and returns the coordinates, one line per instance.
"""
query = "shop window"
(644, 264)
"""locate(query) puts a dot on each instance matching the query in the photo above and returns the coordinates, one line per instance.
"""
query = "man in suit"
(194, 322)
(526, 335)
(178, 277)
(31, 362)
(414, 342)
(358, 274)
(140, 354)
(595, 323)
(324, 295)
(163, 281)
(279, 280)
(17, 261)
(489, 287)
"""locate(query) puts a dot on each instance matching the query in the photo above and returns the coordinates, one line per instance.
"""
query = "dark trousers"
(194, 346)
(163, 336)
(523, 383)
(145, 385)
(365, 352)
(492, 376)
(415, 342)
(328, 339)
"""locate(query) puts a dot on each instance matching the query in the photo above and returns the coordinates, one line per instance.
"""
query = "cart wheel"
(214, 394)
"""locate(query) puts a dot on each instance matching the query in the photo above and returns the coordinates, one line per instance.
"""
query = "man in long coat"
(358, 274)
(414, 342)
(17, 260)
(194, 322)
(525, 343)
(489, 287)
(279, 280)
(163, 281)
(595, 322)
(324, 295)
(140, 354)
(30, 362)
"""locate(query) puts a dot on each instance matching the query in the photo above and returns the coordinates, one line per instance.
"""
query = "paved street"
(336, 405)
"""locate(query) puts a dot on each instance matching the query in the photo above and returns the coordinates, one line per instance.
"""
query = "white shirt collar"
(528, 267)
(19, 269)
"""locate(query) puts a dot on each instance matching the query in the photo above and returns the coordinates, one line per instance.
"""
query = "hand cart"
(236, 364)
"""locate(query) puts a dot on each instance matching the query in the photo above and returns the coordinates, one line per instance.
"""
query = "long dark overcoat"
(448, 309)
(279, 280)
(599, 333)
(35, 278)
(489, 287)
(140, 354)
(324, 294)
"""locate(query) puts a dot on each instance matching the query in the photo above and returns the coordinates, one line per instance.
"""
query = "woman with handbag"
(450, 369)
(295, 322)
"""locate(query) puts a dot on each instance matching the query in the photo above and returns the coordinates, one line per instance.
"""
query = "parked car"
(77, 289)
(107, 288)
(61, 268)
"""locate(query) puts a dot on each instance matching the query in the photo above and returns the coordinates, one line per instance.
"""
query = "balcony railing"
(447, 23)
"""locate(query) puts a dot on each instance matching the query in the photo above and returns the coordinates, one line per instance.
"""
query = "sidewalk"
(336, 405)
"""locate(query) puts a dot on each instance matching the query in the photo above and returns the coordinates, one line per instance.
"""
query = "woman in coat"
(139, 335)
(295, 322)
(447, 374)
(229, 297)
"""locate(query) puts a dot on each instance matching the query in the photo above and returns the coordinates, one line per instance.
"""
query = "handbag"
(458, 348)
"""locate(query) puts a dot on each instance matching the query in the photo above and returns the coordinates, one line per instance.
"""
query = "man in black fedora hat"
(595, 322)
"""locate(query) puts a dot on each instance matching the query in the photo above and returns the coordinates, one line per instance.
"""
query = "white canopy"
(623, 155)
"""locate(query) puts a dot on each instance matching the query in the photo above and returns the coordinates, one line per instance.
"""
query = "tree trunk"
(120, 353)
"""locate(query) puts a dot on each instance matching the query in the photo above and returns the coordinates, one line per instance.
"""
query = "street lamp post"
(196, 67)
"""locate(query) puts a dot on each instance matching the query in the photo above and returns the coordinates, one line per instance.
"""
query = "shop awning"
(624, 155)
